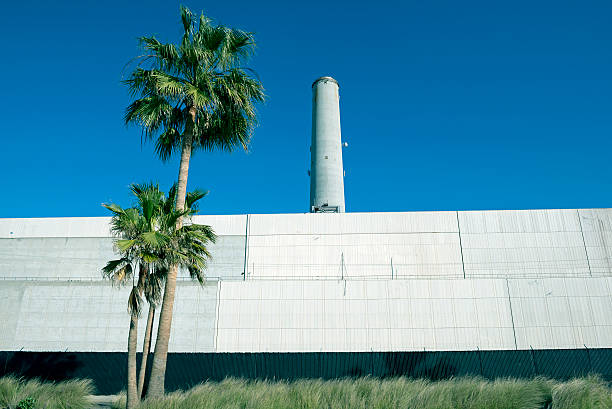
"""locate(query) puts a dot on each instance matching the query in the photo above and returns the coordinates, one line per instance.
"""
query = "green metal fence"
(108, 370)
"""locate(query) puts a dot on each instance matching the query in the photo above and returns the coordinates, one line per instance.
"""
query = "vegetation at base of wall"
(458, 393)
(583, 393)
(33, 394)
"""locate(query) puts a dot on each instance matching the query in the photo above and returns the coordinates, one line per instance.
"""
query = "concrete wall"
(485, 244)
(355, 245)
(319, 315)
(78, 248)
(329, 282)
(382, 315)
(414, 315)
(93, 317)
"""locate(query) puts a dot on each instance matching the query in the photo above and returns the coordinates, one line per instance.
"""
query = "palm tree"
(149, 243)
(157, 273)
(136, 228)
(197, 95)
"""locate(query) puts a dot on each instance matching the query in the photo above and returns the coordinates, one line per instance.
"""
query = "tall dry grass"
(400, 393)
(362, 393)
(583, 393)
(47, 395)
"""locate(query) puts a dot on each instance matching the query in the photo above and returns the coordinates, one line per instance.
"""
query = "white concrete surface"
(93, 317)
(413, 315)
(329, 282)
(474, 244)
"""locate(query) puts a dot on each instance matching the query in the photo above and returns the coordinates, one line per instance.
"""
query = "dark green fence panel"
(601, 362)
(185, 370)
(569, 364)
(506, 364)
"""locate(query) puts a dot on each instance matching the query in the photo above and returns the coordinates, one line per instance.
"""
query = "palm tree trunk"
(158, 370)
(132, 393)
(146, 349)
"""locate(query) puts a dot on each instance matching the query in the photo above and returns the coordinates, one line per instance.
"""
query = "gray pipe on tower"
(326, 171)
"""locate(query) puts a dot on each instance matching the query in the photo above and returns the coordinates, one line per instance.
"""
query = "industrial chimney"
(326, 174)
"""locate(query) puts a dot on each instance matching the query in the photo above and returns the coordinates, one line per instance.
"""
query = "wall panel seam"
(217, 316)
(246, 247)
(511, 314)
(584, 242)
(460, 244)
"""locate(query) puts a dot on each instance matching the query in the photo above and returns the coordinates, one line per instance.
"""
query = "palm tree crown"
(148, 238)
(200, 88)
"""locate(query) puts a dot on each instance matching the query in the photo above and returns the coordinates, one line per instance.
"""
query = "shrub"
(27, 403)
(27, 394)
(583, 393)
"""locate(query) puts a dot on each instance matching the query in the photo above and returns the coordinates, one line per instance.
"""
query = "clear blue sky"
(445, 105)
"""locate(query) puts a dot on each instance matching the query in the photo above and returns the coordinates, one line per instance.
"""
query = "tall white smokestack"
(327, 174)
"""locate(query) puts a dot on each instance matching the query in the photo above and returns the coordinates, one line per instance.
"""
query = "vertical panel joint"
(586, 253)
(511, 314)
(460, 244)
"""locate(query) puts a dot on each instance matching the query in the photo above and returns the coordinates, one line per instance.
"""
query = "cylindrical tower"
(326, 171)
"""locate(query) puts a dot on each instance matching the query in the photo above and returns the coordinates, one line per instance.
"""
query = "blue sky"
(445, 105)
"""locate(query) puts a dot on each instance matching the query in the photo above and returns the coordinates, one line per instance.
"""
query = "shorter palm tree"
(149, 244)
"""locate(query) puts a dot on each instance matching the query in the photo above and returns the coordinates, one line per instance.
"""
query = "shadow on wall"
(49, 366)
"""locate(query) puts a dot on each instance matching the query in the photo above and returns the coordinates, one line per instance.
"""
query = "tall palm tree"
(197, 95)
(149, 243)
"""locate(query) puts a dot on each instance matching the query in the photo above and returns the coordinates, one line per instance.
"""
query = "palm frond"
(167, 143)
(116, 209)
(192, 198)
(155, 282)
(154, 114)
(125, 245)
(149, 198)
(154, 239)
(165, 56)
(134, 301)
(170, 201)
(118, 271)
(187, 19)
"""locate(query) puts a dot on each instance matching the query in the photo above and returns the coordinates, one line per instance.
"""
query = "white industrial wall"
(562, 312)
(508, 243)
(93, 317)
(414, 315)
(597, 228)
(330, 282)
(382, 315)
(355, 245)
(76, 248)
(326, 315)
(523, 243)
